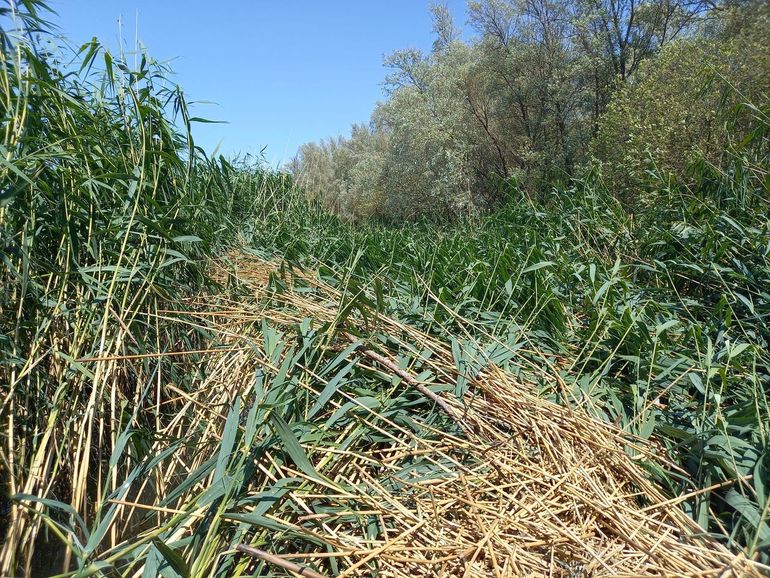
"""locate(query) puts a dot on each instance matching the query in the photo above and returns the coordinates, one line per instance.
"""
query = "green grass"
(652, 317)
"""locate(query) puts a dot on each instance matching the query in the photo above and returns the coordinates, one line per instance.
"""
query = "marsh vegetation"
(545, 261)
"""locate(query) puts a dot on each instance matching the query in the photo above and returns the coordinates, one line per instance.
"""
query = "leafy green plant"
(141, 433)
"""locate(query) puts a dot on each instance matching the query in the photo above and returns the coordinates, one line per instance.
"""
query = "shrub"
(684, 107)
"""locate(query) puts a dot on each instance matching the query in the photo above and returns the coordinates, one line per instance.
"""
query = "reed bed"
(498, 482)
(558, 389)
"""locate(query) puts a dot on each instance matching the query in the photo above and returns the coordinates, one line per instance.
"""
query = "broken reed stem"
(160, 354)
(407, 377)
(278, 561)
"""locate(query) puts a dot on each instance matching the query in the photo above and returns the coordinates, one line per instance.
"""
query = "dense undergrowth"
(653, 317)
(107, 210)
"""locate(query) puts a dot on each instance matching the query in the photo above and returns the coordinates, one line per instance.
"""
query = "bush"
(684, 107)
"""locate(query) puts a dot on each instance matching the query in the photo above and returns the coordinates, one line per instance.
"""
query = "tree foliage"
(688, 104)
(518, 103)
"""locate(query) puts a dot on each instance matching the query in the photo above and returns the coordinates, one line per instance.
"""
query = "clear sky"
(281, 72)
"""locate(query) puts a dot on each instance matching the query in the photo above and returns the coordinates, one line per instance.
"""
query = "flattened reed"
(355, 488)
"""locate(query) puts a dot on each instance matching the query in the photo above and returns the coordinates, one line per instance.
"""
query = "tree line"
(539, 92)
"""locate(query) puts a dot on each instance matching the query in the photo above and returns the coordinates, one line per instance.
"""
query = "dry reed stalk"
(510, 485)
(278, 561)
(540, 490)
(408, 378)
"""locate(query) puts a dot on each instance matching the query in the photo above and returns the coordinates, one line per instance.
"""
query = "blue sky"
(281, 72)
